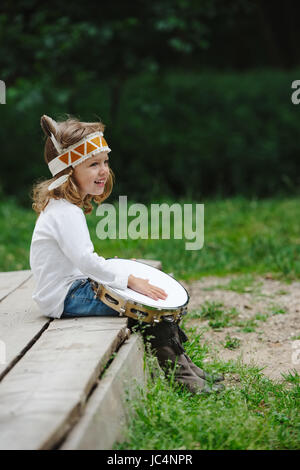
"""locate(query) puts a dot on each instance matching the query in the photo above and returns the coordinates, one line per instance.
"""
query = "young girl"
(62, 256)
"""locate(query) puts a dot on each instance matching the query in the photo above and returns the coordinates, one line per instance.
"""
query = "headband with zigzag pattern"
(75, 154)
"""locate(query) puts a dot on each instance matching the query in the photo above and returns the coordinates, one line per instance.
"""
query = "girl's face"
(92, 174)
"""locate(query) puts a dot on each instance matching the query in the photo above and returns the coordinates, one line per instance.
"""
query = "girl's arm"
(71, 232)
(69, 228)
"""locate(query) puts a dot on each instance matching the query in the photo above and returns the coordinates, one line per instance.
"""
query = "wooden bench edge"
(106, 414)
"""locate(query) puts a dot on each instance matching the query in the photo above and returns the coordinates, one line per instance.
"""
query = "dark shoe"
(204, 375)
(201, 373)
(170, 362)
(165, 339)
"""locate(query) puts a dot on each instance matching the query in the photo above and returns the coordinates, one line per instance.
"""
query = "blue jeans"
(80, 301)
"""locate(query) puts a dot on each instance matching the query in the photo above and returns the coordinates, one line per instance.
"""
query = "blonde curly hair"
(67, 132)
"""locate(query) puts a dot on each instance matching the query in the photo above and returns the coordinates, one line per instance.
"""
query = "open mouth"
(100, 183)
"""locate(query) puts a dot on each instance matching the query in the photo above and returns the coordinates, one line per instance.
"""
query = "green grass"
(243, 284)
(278, 311)
(231, 342)
(253, 412)
(281, 292)
(16, 226)
(261, 317)
(216, 314)
(247, 326)
(241, 236)
(219, 317)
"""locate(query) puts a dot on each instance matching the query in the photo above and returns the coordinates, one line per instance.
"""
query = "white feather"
(58, 182)
(52, 136)
(55, 143)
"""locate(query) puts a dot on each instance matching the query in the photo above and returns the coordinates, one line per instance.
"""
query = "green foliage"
(214, 134)
(111, 40)
(176, 135)
(16, 227)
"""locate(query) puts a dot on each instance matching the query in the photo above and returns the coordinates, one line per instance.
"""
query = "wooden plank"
(9, 281)
(21, 323)
(106, 414)
(45, 392)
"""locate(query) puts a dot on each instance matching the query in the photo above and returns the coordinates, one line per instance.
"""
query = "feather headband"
(75, 154)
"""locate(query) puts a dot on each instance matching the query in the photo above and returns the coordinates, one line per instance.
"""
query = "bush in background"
(192, 135)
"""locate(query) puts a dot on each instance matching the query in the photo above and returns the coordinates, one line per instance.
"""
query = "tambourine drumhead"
(177, 295)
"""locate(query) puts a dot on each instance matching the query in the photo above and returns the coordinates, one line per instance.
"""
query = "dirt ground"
(275, 343)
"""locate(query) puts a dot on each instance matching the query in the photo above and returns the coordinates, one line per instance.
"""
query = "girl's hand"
(144, 287)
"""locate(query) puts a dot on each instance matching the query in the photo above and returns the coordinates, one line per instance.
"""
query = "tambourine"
(141, 307)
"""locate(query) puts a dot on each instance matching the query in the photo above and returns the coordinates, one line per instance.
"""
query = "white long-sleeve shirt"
(61, 251)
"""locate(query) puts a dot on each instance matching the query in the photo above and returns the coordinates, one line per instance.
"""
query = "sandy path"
(272, 345)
